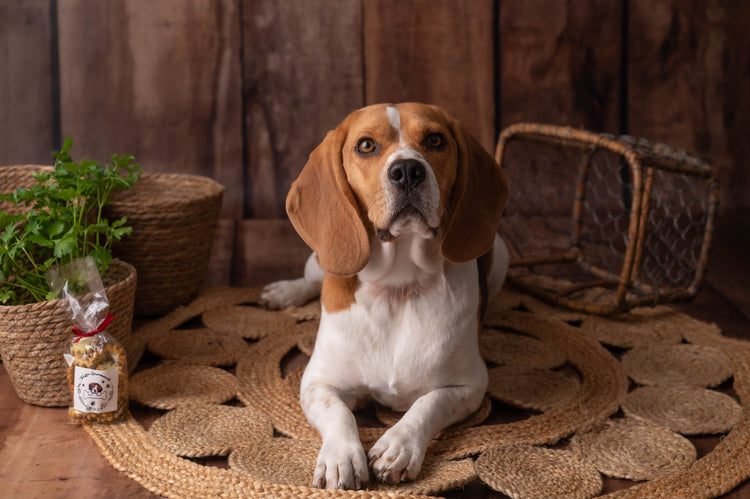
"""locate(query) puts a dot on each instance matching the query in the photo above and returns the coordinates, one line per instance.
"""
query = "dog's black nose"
(406, 174)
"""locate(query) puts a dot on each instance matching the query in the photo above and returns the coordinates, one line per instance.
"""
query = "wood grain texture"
(302, 69)
(689, 83)
(729, 267)
(560, 63)
(221, 260)
(437, 52)
(268, 250)
(156, 81)
(43, 455)
(25, 84)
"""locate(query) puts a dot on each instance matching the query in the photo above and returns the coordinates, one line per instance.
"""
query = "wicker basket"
(13, 177)
(33, 338)
(602, 223)
(174, 218)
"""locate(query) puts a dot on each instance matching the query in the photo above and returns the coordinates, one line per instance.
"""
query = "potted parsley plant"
(56, 220)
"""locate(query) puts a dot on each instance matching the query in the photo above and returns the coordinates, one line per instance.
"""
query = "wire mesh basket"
(603, 223)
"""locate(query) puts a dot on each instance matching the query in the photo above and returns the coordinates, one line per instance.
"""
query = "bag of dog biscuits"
(97, 364)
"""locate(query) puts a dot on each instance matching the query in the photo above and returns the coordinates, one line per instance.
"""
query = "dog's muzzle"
(406, 176)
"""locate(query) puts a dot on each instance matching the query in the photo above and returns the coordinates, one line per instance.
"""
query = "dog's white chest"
(395, 344)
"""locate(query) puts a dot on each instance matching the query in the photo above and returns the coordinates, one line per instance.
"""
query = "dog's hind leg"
(295, 292)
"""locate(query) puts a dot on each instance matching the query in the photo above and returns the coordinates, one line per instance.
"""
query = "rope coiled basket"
(15, 176)
(174, 219)
(34, 336)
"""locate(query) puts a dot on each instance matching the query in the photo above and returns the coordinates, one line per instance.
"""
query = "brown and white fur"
(399, 204)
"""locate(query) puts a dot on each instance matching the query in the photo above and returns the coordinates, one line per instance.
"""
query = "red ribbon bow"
(77, 331)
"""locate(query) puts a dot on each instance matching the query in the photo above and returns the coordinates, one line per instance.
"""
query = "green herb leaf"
(64, 246)
(41, 240)
(101, 256)
(7, 295)
(54, 228)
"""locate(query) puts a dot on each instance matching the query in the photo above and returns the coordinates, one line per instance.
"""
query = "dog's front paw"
(397, 456)
(341, 466)
(291, 293)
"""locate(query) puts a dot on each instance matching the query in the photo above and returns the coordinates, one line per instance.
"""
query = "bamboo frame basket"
(602, 223)
(33, 338)
(174, 218)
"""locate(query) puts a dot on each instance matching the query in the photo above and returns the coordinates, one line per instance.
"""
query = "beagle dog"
(401, 207)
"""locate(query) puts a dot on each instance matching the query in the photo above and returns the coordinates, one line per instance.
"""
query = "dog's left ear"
(477, 200)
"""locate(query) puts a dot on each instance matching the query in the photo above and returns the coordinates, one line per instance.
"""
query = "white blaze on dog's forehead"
(394, 117)
(407, 153)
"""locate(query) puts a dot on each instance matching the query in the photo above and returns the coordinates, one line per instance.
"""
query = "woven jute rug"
(573, 401)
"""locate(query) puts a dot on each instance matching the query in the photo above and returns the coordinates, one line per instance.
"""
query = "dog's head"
(391, 169)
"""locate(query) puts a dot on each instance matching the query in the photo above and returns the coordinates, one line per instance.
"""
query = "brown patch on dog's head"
(387, 169)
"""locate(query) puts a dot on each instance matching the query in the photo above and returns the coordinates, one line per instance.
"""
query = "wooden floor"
(44, 456)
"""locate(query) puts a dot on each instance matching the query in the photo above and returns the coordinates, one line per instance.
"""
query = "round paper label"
(95, 391)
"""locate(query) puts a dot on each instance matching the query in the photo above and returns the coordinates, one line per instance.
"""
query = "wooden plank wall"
(243, 90)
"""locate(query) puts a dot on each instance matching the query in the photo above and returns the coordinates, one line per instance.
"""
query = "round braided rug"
(510, 299)
(270, 390)
(660, 364)
(506, 348)
(284, 461)
(538, 389)
(685, 409)
(208, 300)
(644, 326)
(198, 346)
(246, 322)
(292, 462)
(210, 430)
(522, 471)
(169, 386)
(633, 449)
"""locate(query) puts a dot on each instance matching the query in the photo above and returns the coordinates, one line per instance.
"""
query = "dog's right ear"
(323, 210)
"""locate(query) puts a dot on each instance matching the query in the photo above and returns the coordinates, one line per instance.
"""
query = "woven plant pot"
(13, 177)
(174, 218)
(34, 336)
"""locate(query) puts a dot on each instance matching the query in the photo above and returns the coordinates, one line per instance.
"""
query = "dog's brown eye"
(435, 141)
(366, 146)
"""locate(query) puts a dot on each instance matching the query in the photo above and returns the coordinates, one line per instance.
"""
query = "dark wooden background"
(243, 90)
